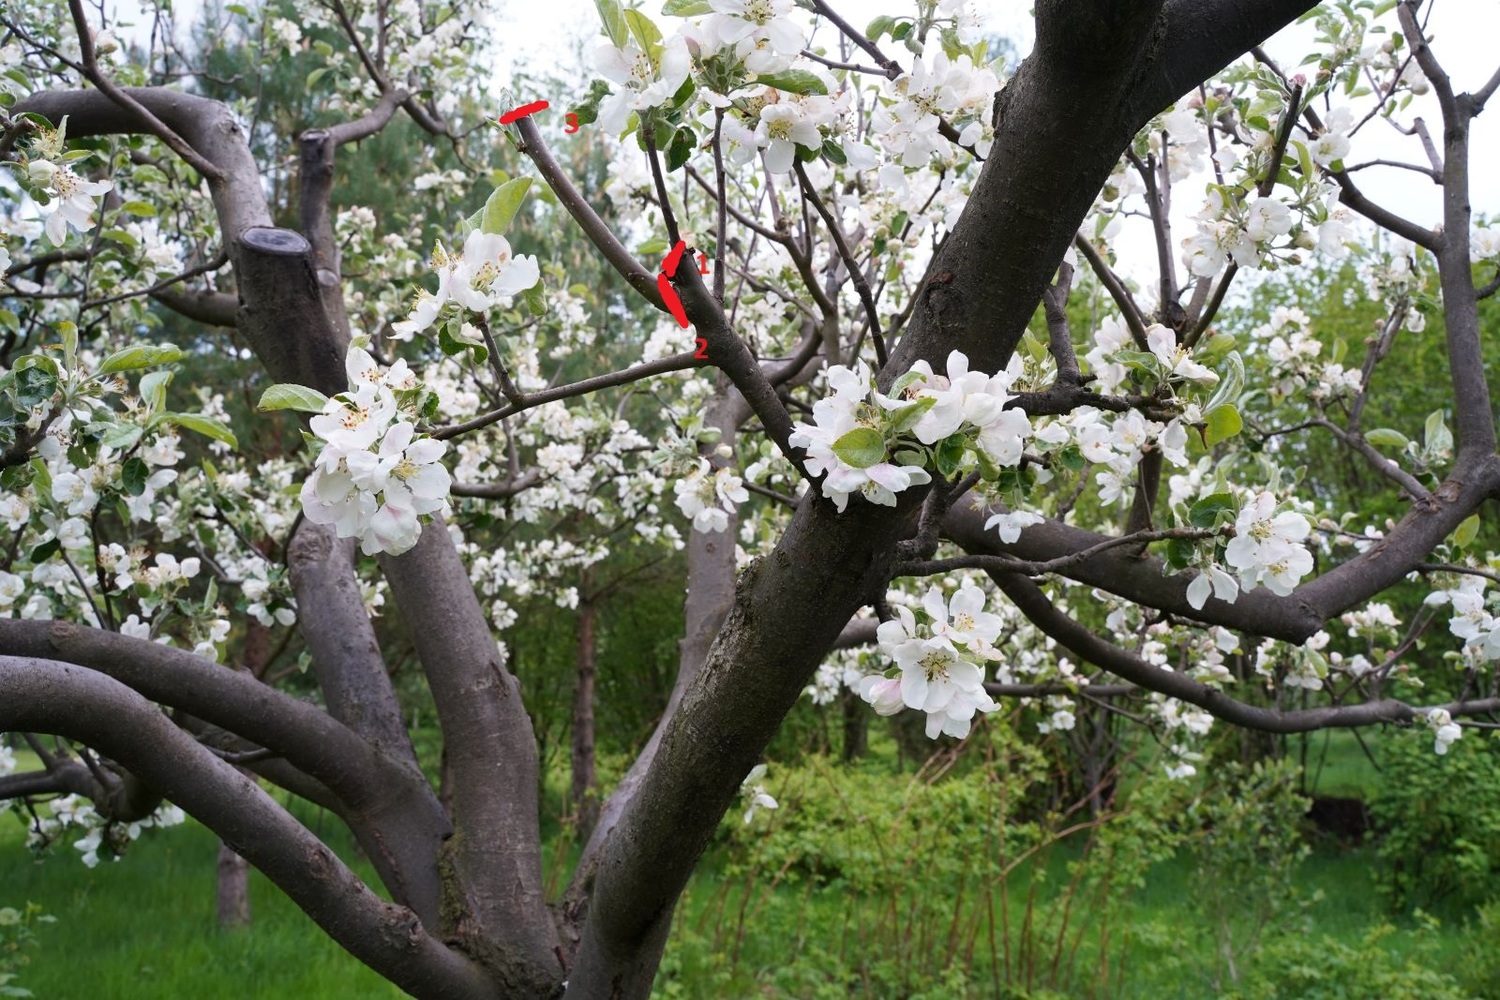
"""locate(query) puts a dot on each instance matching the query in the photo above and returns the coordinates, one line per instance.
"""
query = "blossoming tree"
(930, 496)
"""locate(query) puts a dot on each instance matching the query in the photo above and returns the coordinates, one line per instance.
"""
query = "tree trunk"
(856, 725)
(233, 889)
(584, 802)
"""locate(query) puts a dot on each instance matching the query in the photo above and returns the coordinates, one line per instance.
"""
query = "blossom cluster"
(374, 475)
(477, 278)
(863, 441)
(941, 659)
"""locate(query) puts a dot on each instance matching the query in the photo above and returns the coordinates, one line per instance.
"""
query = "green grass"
(143, 928)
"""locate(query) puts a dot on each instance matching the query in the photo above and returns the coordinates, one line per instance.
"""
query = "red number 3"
(572, 120)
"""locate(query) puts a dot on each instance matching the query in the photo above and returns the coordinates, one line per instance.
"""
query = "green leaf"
(154, 389)
(1180, 552)
(681, 147)
(139, 208)
(646, 32)
(861, 447)
(1436, 435)
(904, 418)
(613, 17)
(1223, 423)
(793, 81)
(46, 551)
(1205, 513)
(1385, 437)
(685, 8)
(68, 331)
(315, 76)
(834, 152)
(901, 30)
(209, 427)
(652, 247)
(289, 396)
(949, 454)
(1467, 529)
(503, 204)
(1231, 383)
(140, 356)
(134, 475)
(879, 26)
(122, 436)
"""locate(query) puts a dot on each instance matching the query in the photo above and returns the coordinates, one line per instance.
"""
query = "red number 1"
(703, 263)
(702, 354)
(572, 121)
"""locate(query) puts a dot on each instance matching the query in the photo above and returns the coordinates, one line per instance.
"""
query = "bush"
(1299, 967)
(1439, 817)
(16, 936)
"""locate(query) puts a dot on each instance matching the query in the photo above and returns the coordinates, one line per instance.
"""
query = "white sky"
(1463, 33)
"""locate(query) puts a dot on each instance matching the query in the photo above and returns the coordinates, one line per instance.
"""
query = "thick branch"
(47, 696)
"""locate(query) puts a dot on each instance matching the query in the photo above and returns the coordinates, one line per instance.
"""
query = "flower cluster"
(374, 475)
(863, 441)
(709, 496)
(907, 120)
(942, 661)
(1471, 621)
(1444, 730)
(480, 276)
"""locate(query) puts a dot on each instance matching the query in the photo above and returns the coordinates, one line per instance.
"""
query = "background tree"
(931, 263)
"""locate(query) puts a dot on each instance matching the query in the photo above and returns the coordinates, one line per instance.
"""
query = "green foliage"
(17, 935)
(1440, 820)
(1325, 968)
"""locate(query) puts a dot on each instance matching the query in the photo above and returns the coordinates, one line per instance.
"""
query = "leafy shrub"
(16, 935)
(1439, 818)
(1300, 967)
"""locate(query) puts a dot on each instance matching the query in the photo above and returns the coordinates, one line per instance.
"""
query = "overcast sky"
(1463, 34)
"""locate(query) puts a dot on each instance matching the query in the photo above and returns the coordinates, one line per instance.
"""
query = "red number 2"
(702, 354)
(572, 120)
(703, 263)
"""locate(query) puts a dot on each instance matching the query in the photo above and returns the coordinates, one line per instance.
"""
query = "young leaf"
(140, 356)
(685, 8)
(949, 454)
(646, 32)
(1467, 529)
(1205, 513)
(614, 22)
(1386, 437)
(682, 146)
(134, 474)
(503, 204)
(289, 396)
(154, 389)
(793, 81)
(1223, 423)
(209, 427)
(861, 447)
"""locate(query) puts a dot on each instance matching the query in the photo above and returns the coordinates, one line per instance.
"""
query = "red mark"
(669, 266)
(703, 263)
(572, 121)
(702, 354)
(523, 111)
(669, 296)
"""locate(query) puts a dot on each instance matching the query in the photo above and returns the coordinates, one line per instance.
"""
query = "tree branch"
(46, 696)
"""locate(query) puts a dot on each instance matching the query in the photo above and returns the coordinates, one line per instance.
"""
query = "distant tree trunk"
(856, 725)
(583, 721)
(232, 872)
(233, 889)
